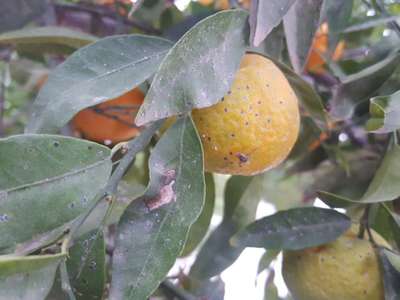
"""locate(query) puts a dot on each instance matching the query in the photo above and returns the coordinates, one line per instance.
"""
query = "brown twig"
(104, 12)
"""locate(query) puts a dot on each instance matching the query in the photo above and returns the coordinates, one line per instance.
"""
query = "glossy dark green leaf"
(384, 185)
(217, 254)
(153, 230)
(293, 229)
(93, 74)
(200, 228)
(308, 97)
(15, 14)
(391, 277)
(301, 23)
(385, 113)
(199, 69)
(358, 86)
(27, 278)
(265, 16)
(48, 35)
(46, 181)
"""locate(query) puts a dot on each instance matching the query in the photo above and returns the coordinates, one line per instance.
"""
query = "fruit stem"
(365, 226)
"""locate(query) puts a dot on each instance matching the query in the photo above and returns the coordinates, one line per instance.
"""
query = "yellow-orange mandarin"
(345, 269)
(110, 122)
(254, 127)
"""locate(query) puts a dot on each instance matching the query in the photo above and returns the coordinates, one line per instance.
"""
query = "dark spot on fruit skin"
(281, 102)
(242, 158)
(269, 120)
(225, 109)
(242, 111)
(229, 92)
(259, 102)
(247, 123)
(209, 139)
(256, 114)
(247, 87)
(232, 135)
(225, 158)
(222, 100)
(230, 153)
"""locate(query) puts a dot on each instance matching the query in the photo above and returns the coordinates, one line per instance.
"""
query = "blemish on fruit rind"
(242, 157)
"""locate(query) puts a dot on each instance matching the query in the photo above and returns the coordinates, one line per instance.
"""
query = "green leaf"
(334, 200)
(301, 23)
(27, 278)
(199, 69)
(391, 278)
(93, 74)
(266, 260)
(385, 113)
(199, 228)
(153, 230)
(293, 229)
(265, 16)
(337, 13)
(370, 23)
(393, 258)
(308, 97)
(15, 14)
(384, 185)
(240, 208)
(356, 87)
(48, 35)
(86, 266)
(86, 269)
(46, 181)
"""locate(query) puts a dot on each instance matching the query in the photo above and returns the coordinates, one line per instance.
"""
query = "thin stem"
(65, 283)
(108, 193)
(177, 292)
(365, 226)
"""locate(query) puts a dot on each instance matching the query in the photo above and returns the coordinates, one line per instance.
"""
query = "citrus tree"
(110, 173)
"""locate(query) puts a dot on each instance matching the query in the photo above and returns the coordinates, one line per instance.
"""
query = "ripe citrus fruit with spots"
(254, 127)
(346, 269)
(110, 122)
(320, 47)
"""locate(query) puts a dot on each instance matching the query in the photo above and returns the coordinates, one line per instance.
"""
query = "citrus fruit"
(224, 4)
(254, 127)
(345, 269)
(320, 47)
(112, 121)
